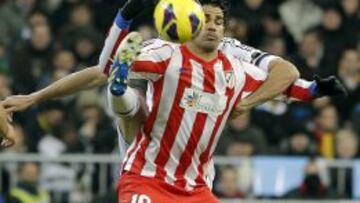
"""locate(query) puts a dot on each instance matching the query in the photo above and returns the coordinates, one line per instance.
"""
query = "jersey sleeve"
(246, 53)
(151, 63)
(300, 90)
(116, 34)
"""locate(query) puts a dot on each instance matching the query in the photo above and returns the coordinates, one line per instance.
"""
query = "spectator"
(240, 129)
(270, 117)
(241, 148)
(94, 127)
(36, 18)
(237, 28)
(349, 73)
(326, 121)
(11, 20)
(36, 55)
(64, 63)
(226, 186)
(309, 58)
(299, 144)
(86, 49)
(49, 116)
(300, 15)
(312, 186)
(273, 27)
(59, 179)
(250, 11)
(28, 186)
(80, 35)
(351, 18)
(332, 29)
(346, 149)
(274, 45)
(242, 140)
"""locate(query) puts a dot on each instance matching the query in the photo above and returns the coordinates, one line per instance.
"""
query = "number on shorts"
(140, 199)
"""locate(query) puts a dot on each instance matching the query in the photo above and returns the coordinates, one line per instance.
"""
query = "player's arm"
(88, 78)
(301, 90)
(281, 73)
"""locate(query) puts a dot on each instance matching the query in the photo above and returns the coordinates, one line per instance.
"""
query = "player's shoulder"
(233, 60)
(229, 42)
(232, 43)
(157, 44)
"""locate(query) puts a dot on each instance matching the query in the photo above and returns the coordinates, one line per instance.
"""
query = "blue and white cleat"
(127, 52)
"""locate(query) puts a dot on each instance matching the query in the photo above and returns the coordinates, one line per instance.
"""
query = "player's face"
(213, 30)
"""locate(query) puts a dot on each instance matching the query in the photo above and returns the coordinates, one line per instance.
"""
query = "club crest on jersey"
(230, 79)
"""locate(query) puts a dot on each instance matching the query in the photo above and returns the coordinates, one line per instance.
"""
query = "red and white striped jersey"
(192, 100)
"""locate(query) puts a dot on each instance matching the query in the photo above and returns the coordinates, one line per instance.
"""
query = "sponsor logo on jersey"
(203, 102)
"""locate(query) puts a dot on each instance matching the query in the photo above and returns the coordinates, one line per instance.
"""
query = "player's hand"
(134, 7)
(17, 103)
(8, 136)
(329, 86)
(10, 139)
(241, 108)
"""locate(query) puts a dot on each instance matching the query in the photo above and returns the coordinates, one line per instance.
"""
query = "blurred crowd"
(43, 41)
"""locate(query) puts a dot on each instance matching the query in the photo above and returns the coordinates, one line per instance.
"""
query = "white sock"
(126, 105)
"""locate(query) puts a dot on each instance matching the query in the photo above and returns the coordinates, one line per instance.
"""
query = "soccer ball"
(178, 20)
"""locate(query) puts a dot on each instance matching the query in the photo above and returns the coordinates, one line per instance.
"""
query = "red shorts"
(138, 189)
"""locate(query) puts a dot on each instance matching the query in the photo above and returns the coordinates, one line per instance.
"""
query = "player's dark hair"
(218, 3)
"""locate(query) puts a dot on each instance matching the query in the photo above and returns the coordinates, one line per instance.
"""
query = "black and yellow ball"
(178, 20)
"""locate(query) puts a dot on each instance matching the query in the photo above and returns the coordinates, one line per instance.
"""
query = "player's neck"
(201, 53)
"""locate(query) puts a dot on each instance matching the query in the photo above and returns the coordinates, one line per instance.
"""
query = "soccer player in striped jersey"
(195, 89)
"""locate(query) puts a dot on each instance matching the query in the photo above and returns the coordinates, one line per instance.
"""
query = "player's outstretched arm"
(85, 79)
(89, 77)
